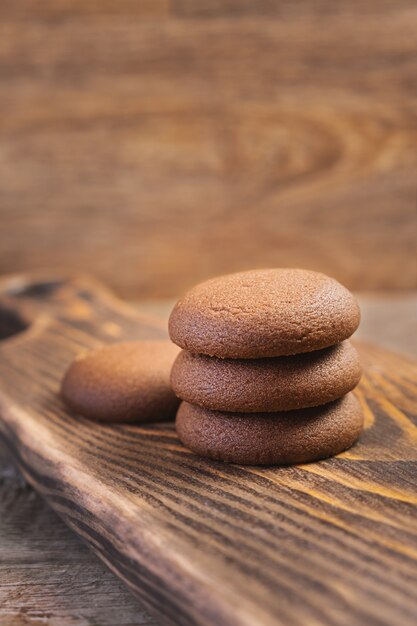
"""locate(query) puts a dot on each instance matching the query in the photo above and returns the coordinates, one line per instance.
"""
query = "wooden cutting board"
(200, 542)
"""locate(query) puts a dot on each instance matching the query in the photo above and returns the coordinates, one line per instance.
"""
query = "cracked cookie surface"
(271, 438)
(264, 313)
(269, 384)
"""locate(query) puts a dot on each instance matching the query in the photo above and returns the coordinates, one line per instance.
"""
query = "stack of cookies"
(266, 368)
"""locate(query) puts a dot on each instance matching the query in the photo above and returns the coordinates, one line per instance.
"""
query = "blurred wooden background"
(157, 142)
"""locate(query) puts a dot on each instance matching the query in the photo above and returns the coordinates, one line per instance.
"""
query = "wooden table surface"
(47, 576)
(194, 138)
(189, 121)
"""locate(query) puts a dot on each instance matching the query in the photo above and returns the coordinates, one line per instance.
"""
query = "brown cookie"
(266, 385)
(264, 313)
(125, 382)
(271, 438)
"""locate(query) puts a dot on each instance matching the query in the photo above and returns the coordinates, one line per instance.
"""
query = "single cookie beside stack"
(265, 372)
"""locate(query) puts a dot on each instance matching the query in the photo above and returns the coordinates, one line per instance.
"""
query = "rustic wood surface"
(328, 543)
(192, 138)
(49, 577)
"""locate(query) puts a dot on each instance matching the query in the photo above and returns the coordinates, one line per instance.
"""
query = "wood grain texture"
(40, 553)
(195, 138)
(47, 576)
(200, 542)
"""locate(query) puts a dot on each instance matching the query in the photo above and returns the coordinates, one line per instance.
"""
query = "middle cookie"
(266, 385)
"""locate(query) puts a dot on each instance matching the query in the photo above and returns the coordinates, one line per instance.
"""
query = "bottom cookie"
(271, 438)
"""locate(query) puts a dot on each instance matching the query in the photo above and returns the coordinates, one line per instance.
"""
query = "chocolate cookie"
(271, 438)
(125, 382)
(265, 385)
(264, 313)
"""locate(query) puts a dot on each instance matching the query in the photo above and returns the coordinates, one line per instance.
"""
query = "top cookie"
(264, 313)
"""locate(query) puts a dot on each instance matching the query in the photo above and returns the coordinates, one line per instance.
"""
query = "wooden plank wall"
(157, 142)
